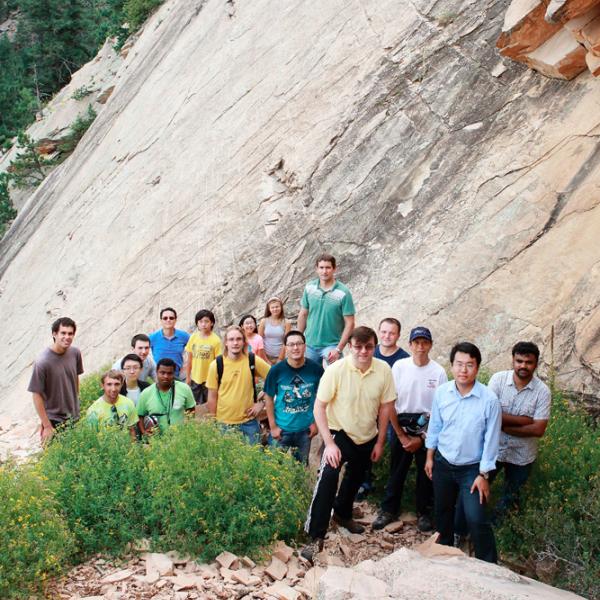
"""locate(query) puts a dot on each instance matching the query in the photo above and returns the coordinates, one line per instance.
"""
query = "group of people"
(460, 433)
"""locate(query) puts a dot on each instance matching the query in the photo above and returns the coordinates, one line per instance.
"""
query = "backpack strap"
(252, 363)
(220, 366)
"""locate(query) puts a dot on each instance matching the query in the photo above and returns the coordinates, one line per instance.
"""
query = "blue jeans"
(318, 354)
(250, 430)
(515, 477)
(297, 441)
(451, 485)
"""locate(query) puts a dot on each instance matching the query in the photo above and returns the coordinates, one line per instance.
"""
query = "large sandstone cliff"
(458, 188)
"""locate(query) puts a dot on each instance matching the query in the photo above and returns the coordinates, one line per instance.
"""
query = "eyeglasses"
(169, 318)
(362, 347)
(295, 344)
(132, 368)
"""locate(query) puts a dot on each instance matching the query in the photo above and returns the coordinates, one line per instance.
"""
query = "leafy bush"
(79, 126)
(7, 210)
(212, 491)
(90, 389)
(557, 528)
(137, 11)
(36, 542)
(97, 478)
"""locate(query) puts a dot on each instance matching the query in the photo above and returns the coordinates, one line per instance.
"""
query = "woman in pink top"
(250, 327)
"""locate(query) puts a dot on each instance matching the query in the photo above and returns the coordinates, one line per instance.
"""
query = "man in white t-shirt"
(416, 379)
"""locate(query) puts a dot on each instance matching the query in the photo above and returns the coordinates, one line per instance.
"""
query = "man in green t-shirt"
(326, 315)
(112, 409)
(166, 401)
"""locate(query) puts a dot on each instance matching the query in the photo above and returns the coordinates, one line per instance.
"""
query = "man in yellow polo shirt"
(231, 396)
(352, 409)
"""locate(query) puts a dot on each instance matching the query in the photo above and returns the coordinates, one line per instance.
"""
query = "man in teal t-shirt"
(166, 401)
(290, 392)
(112, 409)
(327, 313)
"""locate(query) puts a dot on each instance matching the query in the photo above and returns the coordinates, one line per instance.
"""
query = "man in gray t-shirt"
(140, 344)
(55, 379)
(525, 401)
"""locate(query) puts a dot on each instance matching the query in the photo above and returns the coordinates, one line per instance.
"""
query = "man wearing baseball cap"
(416, 379)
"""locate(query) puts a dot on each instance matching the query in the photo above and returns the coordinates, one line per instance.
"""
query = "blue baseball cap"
(420, 332)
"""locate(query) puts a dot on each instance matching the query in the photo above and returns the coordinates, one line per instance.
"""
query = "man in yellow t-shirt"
(202, 348)
(112, 408)
(354, 400)
(231, 399)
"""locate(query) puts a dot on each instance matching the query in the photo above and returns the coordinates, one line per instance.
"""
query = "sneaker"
(311, 549)
(383, 519)
(350, 524)
(424, 523)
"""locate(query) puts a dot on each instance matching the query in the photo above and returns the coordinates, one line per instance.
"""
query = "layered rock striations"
(457, 188)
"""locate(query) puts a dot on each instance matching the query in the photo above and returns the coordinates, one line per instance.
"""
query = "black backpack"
(252, 364)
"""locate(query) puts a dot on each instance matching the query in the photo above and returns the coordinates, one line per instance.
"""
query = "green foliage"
(212, 491)
(137, 11)
(97, 477)
(29, 168)
(90, 389)
(78, 128)
(36, 543)
(82, 92)
(7, 210)
(558, 523)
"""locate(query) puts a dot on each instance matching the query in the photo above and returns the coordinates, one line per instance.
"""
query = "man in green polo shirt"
(165, 401)
(326, 315)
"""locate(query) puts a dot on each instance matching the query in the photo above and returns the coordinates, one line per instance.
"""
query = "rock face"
(407, 574)
(560, 38)
(241, 139)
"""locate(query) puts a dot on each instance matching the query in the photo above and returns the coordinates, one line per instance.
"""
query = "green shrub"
(558, 525)
(78, 128)
(7, 210)
(90, 390)
(137, 11)
(36, 542)
(212, 492)
(97, 477)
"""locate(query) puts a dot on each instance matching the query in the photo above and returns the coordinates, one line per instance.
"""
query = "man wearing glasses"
(352, 409)
(290, 392)
(112, 409)
(133, 386)
(169, 342)
(140, 345)
(462, 449)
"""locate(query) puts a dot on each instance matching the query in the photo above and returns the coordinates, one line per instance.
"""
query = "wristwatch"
(486, 476)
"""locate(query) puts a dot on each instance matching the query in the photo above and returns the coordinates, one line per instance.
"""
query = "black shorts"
(200, 392)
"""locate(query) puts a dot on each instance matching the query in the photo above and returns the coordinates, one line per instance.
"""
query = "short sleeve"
(494, 384)
(189, 347)
(132, 415)
(211, 377)
(218, 347)
(189, 396)
(79, 363)
(443, 378)
(304, 300)
(327, 386)
(271, 382)
(262, 368)
(542, 406)
(37, 383)
(348, 305)
(388, 393)
(142, 411)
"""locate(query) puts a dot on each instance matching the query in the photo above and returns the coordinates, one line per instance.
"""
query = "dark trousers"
(515, 477)
(400, 464)
(452, 483)
(357, 458)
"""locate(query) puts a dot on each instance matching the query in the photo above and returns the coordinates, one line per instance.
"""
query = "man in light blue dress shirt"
(462, 448)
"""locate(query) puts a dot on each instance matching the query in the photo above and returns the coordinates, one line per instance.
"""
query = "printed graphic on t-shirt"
(297, 395)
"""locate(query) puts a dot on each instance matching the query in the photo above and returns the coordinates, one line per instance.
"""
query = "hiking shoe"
(311, 549)
(350, 524)
(383, 519)
(424, 523)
